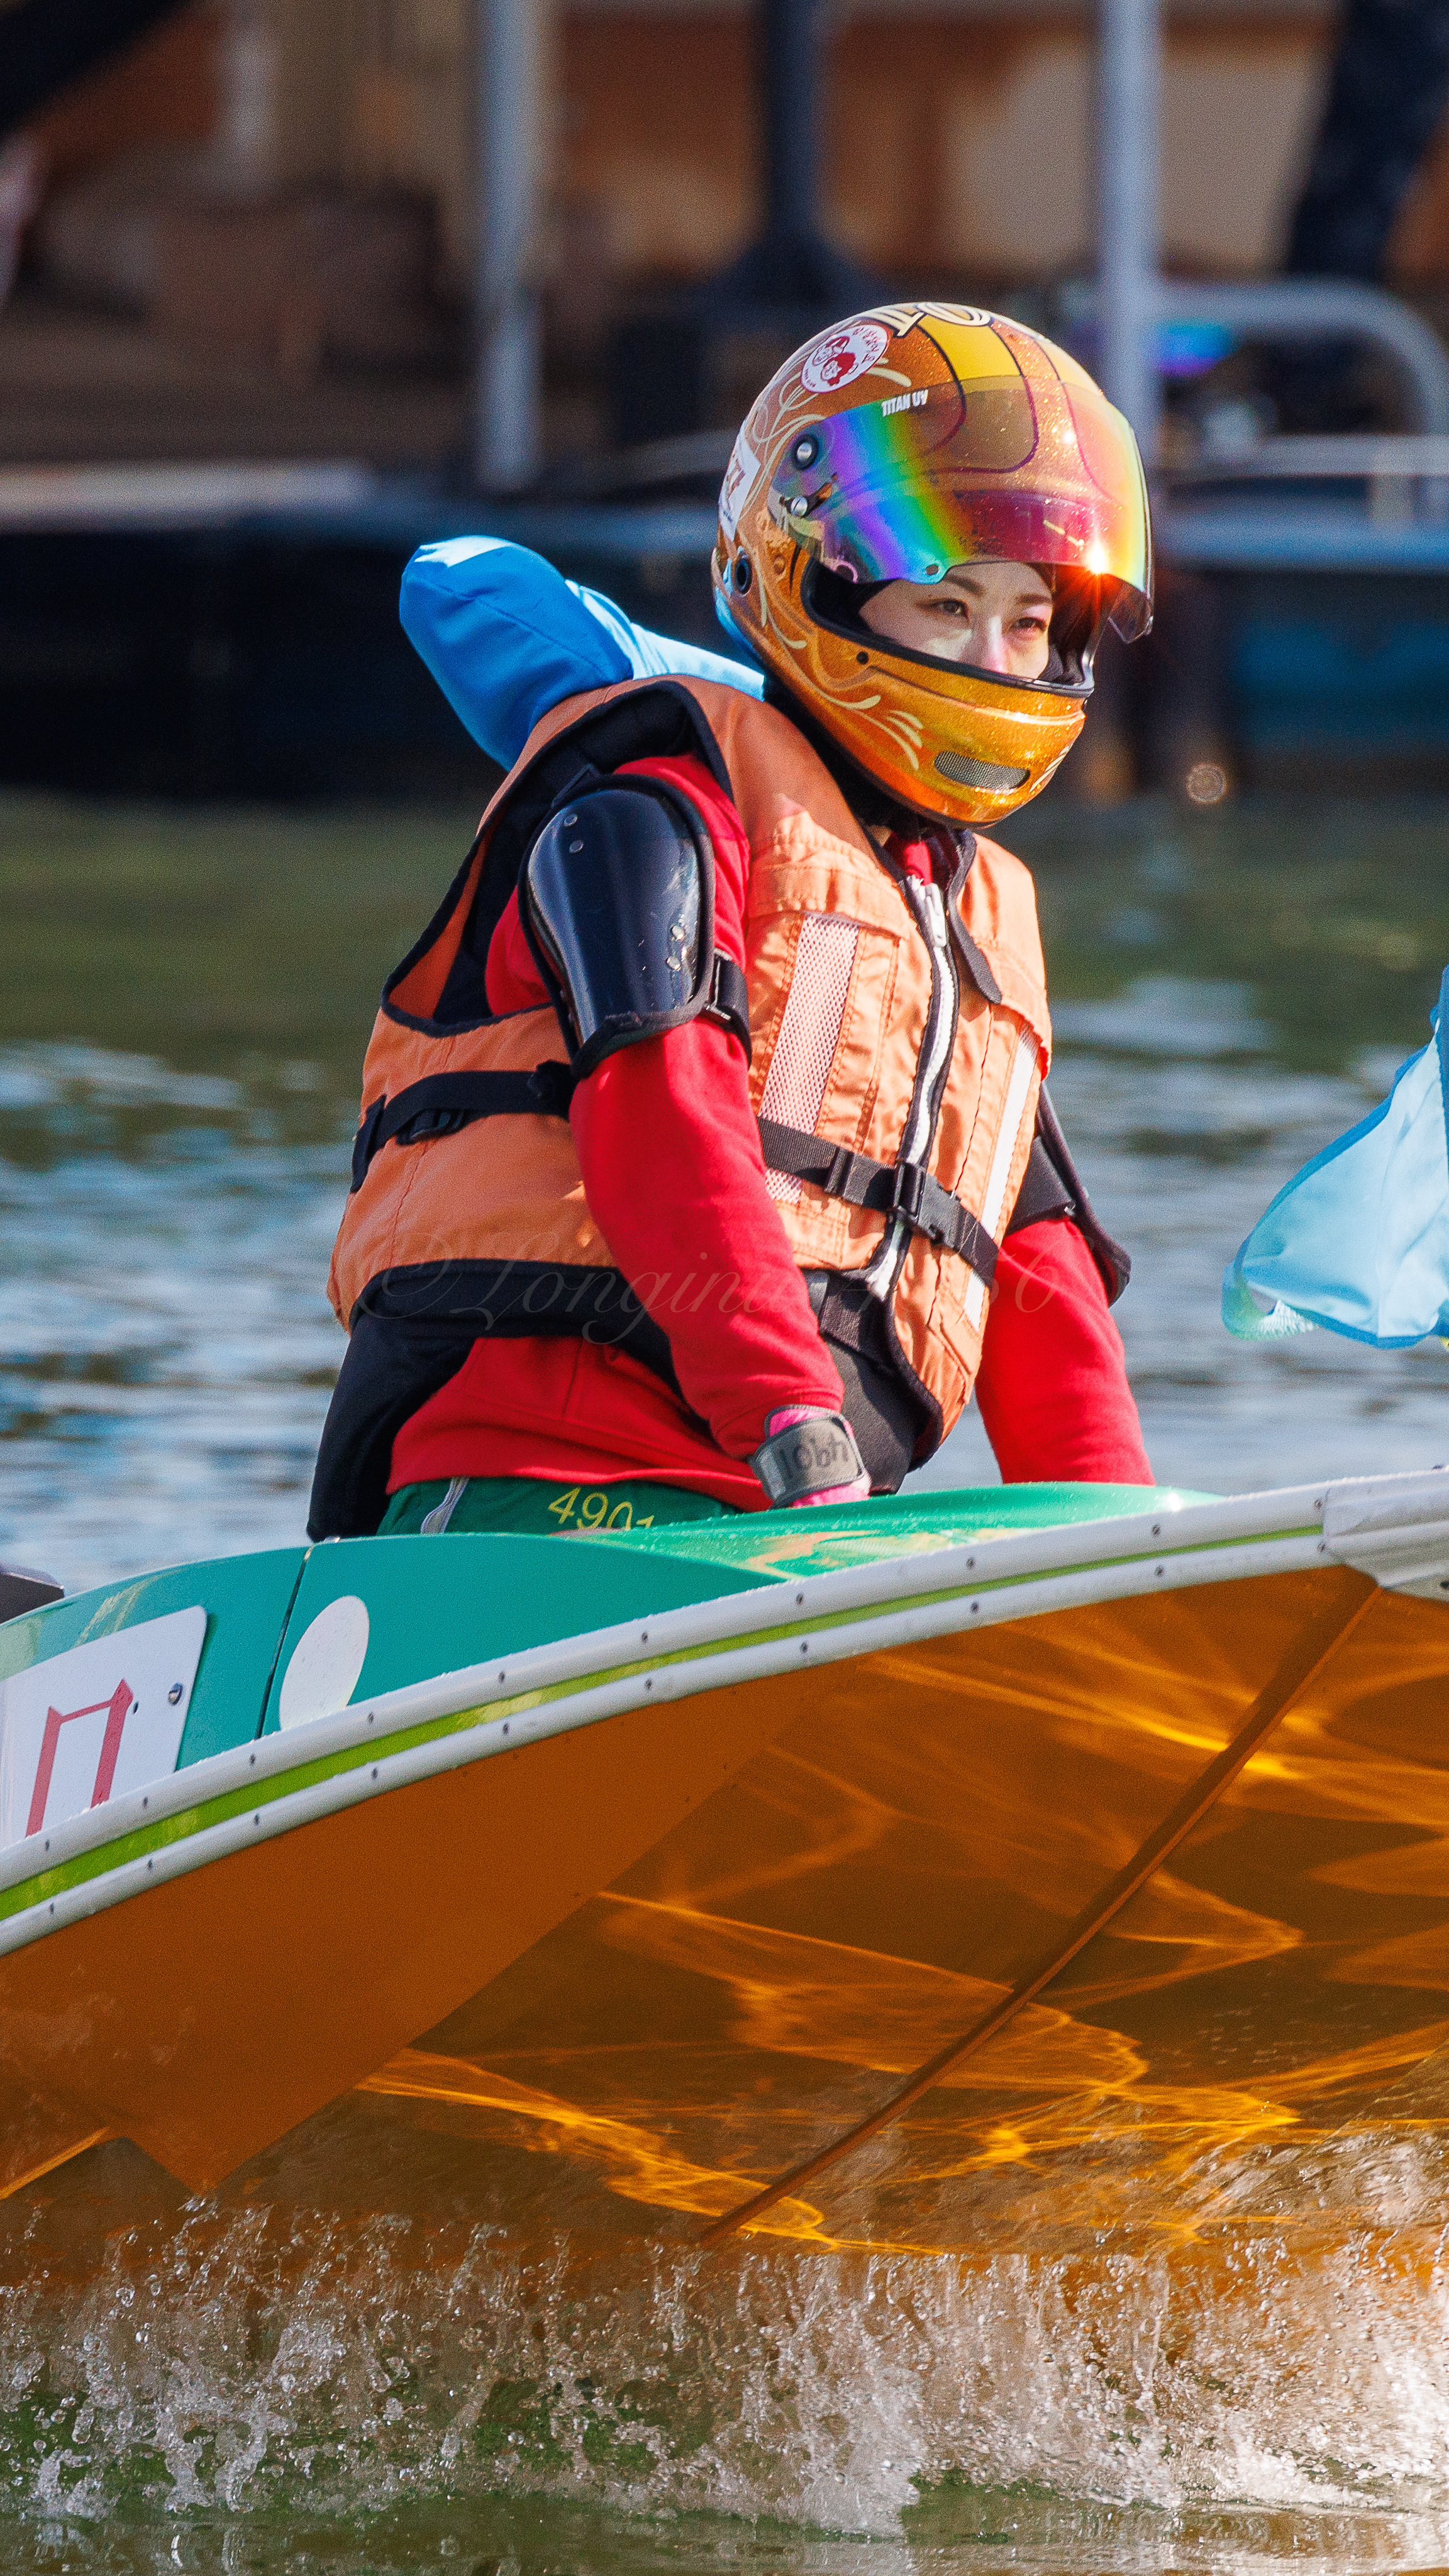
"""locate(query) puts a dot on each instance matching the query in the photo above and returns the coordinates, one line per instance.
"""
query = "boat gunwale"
(279, 1783)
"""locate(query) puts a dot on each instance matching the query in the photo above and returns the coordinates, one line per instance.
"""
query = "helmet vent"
(979, 773)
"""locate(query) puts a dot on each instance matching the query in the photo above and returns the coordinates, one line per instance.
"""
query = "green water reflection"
(1332, 918)
(240, 942)
(250, 945)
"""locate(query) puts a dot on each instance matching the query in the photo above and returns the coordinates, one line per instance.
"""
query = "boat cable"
(1300, 1668)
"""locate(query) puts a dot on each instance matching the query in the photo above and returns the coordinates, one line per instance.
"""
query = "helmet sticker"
(842, 357)
(741, 477)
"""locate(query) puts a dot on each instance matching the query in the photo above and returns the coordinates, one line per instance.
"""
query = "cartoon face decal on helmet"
(901, 444)
(836, 360)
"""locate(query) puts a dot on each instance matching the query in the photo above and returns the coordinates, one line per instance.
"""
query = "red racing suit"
(668, 1146)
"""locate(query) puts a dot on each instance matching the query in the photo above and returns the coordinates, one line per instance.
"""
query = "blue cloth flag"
(1359, 1240)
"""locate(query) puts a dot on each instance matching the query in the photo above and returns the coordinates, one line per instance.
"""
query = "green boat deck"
(776, 1546)
(437, 1605)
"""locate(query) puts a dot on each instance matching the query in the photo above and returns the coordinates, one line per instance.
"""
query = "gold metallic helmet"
(910, 439)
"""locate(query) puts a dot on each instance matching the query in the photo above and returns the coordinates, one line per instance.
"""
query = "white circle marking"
(326, 1663)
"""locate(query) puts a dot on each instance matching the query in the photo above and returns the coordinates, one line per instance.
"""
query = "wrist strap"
(809, 1459)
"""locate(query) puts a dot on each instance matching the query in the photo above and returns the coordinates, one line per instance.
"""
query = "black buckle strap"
(906, 1190)
(729, 999)
(364, 1143)
(446, 1103)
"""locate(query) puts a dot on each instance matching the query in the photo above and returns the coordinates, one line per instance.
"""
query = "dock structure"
(294, 397)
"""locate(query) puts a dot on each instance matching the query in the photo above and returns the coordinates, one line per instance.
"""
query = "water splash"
(224, 2367)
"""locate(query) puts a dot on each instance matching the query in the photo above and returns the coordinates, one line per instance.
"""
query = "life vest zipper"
(929, 913)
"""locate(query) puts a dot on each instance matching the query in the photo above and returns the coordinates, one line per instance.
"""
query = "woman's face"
(996, 616)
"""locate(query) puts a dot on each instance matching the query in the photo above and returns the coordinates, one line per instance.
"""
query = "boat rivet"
(649, 1682)
(150, 1864)
(145, 1802)
(256, 1820)
(176, 1693)
(503, 1677)
(643, 1636)
(505, 1726)
(374, 1770)
(1159, 1569)
(1157, 1529)
(975, 1606)
(804, 1645)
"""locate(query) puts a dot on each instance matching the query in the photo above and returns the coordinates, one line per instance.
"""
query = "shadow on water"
(184, 1002)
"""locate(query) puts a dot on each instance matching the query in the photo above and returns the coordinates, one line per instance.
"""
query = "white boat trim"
(341, 1761)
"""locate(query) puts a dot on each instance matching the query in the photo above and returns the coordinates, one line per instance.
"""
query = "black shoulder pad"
(617, 899)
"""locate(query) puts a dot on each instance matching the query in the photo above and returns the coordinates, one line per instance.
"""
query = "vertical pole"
(510, 54)
(789, 36)
(1129, 116)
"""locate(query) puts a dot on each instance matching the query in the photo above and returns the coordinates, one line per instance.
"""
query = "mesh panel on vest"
(809, 1032)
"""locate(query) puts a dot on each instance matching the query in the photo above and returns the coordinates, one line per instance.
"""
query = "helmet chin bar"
(835, 603)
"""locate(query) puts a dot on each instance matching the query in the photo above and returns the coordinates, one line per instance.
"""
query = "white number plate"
(95, 1723)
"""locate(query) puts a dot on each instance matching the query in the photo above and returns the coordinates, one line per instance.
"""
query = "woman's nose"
(993, 654)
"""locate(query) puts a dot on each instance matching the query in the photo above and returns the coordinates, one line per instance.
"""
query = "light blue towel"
(1359, 1241)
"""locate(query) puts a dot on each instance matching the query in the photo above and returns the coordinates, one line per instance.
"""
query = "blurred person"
(1388, 85)
(23, 174)
(1387, 90)
(794, 1190)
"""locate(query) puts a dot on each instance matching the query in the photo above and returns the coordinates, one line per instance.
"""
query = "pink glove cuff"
(780, 1469)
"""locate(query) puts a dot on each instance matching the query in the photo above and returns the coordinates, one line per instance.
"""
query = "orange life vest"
(899, 1040)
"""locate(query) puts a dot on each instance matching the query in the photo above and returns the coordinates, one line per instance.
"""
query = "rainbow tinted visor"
(994, 469)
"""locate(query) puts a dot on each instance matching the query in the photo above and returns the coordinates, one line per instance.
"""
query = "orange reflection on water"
(631, 2162)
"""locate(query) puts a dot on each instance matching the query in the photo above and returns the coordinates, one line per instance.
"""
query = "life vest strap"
(889, 1189)
(447, 1102)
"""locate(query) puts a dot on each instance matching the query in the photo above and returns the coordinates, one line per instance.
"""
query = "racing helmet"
(910, 439)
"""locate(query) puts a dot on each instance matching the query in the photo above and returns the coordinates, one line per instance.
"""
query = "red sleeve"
(1053, 1384)
(674, 1175)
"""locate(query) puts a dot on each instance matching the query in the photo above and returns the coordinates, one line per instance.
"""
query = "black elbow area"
(1052, 1187)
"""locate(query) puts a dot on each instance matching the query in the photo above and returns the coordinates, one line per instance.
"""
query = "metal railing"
(1321, 308)
(1299, 309)
(1404, 477)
